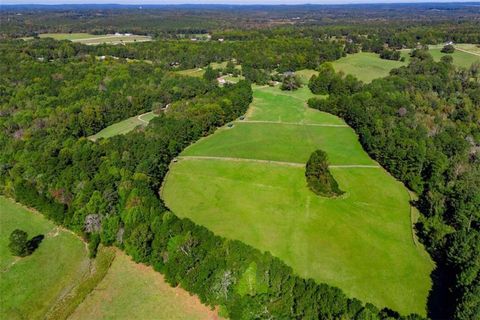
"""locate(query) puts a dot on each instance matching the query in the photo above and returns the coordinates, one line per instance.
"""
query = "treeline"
(107, 190)
(370, 36)
(79, 96)
(423, 124)
(256, 56)
(172, 21)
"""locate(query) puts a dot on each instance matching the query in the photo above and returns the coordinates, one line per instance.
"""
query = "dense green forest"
(422, 123)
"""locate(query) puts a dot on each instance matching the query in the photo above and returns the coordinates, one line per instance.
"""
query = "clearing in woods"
(31, 286)
(135, 291)
(360, 242)
(92, 39)
(53, 281)
(463, 56)
(124, 126)
(366, 66)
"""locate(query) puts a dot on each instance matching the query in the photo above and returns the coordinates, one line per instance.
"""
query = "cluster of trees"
(330, 82)
(291, 82)
(319, 178)
(107, 190)
(388, 54)
(423, 124)
(449, 48)
(19, 244)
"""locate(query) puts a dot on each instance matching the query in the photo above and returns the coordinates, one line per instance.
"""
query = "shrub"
(291, 82)
(19, 243)
(448, 49)
(319, 178)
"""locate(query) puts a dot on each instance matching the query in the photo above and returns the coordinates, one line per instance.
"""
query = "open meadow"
(93, 39)
(366, 66)
(135, 291)
(463, 56)
(58, 278)
(124, 126)
(247, 182)
(32, 286)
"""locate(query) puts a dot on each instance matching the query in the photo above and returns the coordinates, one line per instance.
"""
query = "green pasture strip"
(30, 286)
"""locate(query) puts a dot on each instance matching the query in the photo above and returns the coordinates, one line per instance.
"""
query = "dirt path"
(139, 117)
(466, 51)
(283, 163)
(412, 219)
(295, 123)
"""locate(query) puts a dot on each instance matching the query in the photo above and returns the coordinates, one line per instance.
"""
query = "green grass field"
(69, 36)
(361, 242)
(134, 291)
(366, 66)
(196, 72)
(470, 47)
(460, 58)
(56, 278)
(93, 39)
(305, 75)
(124, 126)
(30, 286)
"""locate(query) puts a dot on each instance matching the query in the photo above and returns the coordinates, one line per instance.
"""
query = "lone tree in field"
(448, 49)
(319, 178)
(291, 82)
(210, 74)
(19, 243)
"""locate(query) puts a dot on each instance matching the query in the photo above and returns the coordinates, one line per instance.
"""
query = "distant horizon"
(225, 2)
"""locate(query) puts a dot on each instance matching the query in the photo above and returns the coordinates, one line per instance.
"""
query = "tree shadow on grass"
(439, 306)
(34, 243)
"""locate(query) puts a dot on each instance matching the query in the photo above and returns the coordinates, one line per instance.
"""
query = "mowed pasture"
(59, 279)
(366, 66)
(461, 58)
(93, 39)
(124, 126)
(361, 242)
(134, 291)
(31, 286)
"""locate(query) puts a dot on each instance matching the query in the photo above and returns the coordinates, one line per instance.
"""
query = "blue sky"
(139, 2)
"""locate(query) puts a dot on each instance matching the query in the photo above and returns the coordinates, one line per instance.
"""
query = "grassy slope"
(272, 141)
(361, 242)
(133, 291)
(124, 126)
(366, 66)
(197, 72)
(460, 58)
(87, 38)
(68, 36)
(30, 286)
(110, 39)
(474, 48)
